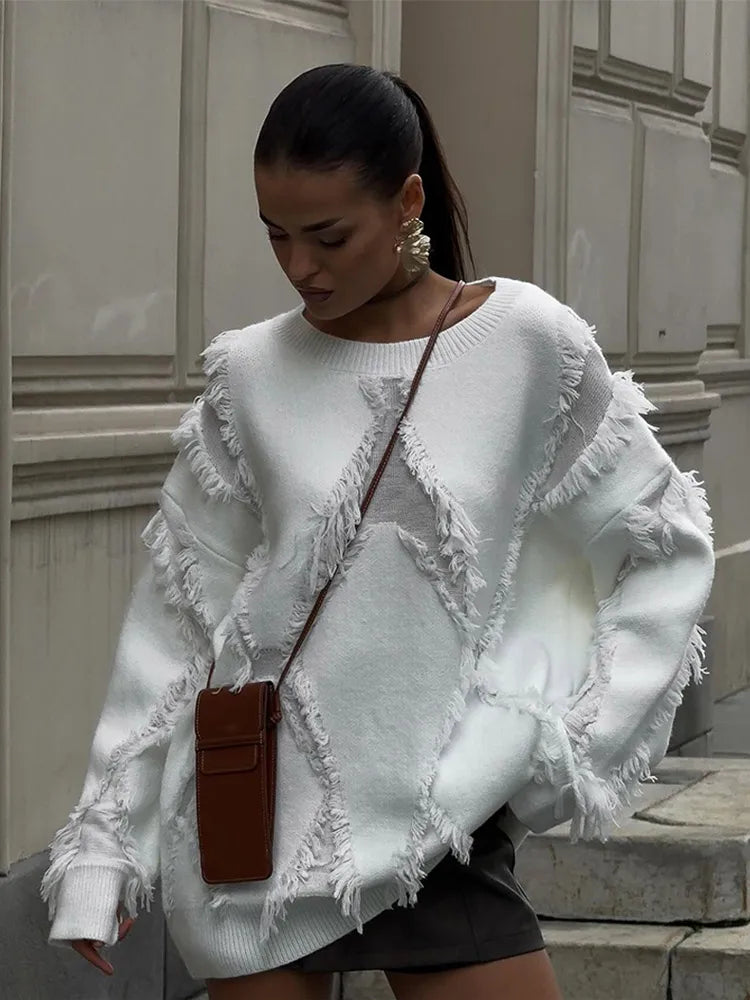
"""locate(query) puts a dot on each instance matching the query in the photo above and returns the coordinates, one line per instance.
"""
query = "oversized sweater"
(513, 622)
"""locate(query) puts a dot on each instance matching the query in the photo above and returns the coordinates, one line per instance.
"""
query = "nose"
(301, 266)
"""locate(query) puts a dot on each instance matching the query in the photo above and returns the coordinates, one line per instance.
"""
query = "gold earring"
(413, 248)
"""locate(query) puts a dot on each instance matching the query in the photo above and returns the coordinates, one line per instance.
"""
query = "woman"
(509, 633)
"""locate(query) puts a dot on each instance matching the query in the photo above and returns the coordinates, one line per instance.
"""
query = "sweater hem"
(228, 946)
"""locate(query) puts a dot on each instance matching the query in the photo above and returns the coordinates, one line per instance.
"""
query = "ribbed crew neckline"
(402, 356)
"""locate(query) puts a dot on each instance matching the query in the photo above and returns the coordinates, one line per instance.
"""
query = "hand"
(90, 949)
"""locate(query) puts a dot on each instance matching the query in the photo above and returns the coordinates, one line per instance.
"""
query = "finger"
(125, 927)
(87, 950)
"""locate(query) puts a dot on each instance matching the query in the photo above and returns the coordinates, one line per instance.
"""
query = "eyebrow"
(305, 229)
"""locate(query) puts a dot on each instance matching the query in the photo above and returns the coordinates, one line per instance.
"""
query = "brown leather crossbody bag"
(235, 736)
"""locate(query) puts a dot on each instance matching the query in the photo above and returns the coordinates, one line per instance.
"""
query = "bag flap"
(224, 717)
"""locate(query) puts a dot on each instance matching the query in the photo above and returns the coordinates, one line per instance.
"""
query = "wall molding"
(191, 198)
(725, 372)
(376, 28)
(87, 378)
(554, 73)
(90, 458)
(598, 70)
(684, 411)
(327, 16)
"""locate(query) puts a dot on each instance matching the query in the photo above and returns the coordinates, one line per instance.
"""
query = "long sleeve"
(643, 527)
(109, 850)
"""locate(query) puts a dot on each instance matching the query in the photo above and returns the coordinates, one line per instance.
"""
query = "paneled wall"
(130, 239)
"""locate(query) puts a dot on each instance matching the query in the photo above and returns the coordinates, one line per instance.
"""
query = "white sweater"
(514, 622)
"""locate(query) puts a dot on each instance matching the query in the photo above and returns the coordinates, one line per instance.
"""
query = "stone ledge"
(682, 858)
(682, 770)
(713, 965)
(612, 961)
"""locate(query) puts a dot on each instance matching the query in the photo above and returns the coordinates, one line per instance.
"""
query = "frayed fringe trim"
(600, 801)
(177, 572)
(457, 534)
(586, 709)
(562, 761)
(340, 515)
(300, 734)
(217, 395)
(449, 832)
(503, 596)
(409, 873)
(188, 437)
(295, 875)
(572, 362)
(138, 889)
(175, 559)
(651, 530)
(358, 543)
(344, 878)
(614, 433)
(178, 832)
(241, 638)
(553, 759)
(427, 564)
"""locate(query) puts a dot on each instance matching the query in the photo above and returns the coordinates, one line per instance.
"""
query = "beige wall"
(471, 61)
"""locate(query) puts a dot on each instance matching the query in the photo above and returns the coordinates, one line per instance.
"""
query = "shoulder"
(208, 436)
(552, 322)
(251, 343)
(553, 343)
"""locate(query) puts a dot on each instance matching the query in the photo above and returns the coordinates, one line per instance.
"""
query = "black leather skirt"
(463, 915)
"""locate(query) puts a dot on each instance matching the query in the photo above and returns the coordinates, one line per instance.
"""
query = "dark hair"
(348, 114)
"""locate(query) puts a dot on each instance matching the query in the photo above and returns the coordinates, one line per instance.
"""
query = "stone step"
(595, 961)
(713, 964)
(683, 857)
(613, 961)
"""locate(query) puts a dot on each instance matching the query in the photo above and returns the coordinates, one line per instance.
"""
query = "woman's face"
(327, 233)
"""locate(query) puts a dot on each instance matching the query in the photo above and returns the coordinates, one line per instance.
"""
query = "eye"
(322, 243)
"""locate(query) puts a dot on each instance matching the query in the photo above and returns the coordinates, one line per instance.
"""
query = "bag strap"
(375, 479)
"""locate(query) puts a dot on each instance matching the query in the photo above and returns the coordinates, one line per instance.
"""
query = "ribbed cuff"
(87, 905)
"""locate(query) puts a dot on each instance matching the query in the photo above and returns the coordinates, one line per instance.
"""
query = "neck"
(398, 310)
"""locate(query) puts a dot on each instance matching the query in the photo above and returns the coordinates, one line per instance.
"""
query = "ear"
(412, 197)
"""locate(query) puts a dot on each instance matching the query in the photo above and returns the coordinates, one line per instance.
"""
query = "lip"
(316, 296)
